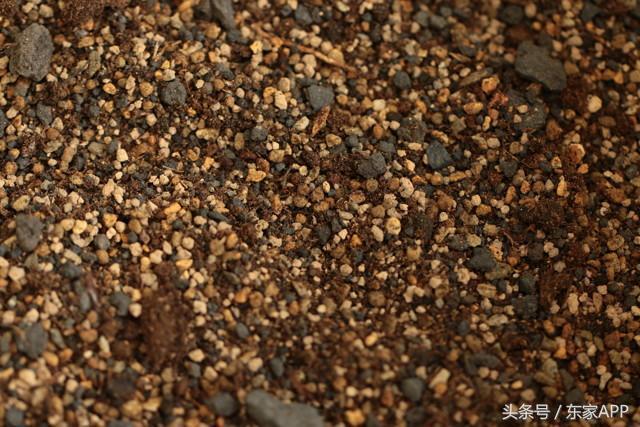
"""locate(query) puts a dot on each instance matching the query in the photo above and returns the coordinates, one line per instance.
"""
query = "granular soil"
(304, 213)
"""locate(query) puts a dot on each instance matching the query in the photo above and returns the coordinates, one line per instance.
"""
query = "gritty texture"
(318, 213)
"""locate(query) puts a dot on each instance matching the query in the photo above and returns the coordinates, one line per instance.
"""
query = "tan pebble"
(490, 84)
(371, 339)
(16, 273)
(440, 378)
(146, 89)
(21, 203)
(473, 108)
(173, 208)
(255, 364)
(355, 417)
(197, 355)
(576, 152)
(255, 175)
(110, 88)
(594, 104)
(393, 226)
(135, 309)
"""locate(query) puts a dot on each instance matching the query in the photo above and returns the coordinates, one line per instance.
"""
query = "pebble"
(413, 388)
(44, 113)
(173, 93)
(482, 260)
(527, 283)
(526, 307)
(14, 417)
(220, 10)
(594, 104)
(31, 57)
(4, 122)
(302, 15)
(259, 134)
(28, 231)
(277, 367)
(223, 404)
(402, 80)
(121, 302)
(438, 156)
(35, 340)
(319, 96)
(534, 63)
(267, 411)
(242, 331)
(373, 166)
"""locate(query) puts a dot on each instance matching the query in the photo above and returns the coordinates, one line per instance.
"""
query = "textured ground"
(392, 213)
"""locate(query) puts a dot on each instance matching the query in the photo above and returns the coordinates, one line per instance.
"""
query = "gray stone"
(35, 340)
(402, 80)
(526, 307)
(4, 122)
(119, 423)
(438, 156)
(121, 302)
(277, 367)
(31, 56)
(223, 404)
(589, 11)
(28, 231)
(242, 331)
(259, 134)
(44, 113)
(70, 270)
(319, 96)
(482, 260)
(14, 417)
(534, 63)
(101, 241)
(173, 93)
(412, 388)
(512, 14)
(302, 15)
(527, 283)
(412, 130)
(220, 10)
(373, 166)
(535, 118)
(267, 411)
(323, 231)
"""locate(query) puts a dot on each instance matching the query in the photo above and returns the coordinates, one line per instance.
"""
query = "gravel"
(173, 94)
(121, 302)
(35, 340)
(224, 404)
(14, 417)
(319, 96)
(220, 10)
(413, 388)
(259, 134)
(535, 63)
(373, 166)
(267, 411)
(406, 213)
(402, 80)
(482, 260)
(31, 57)
(44, 113)
(438, 155)
(526, 307)
(28, 231)
(4, 122)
